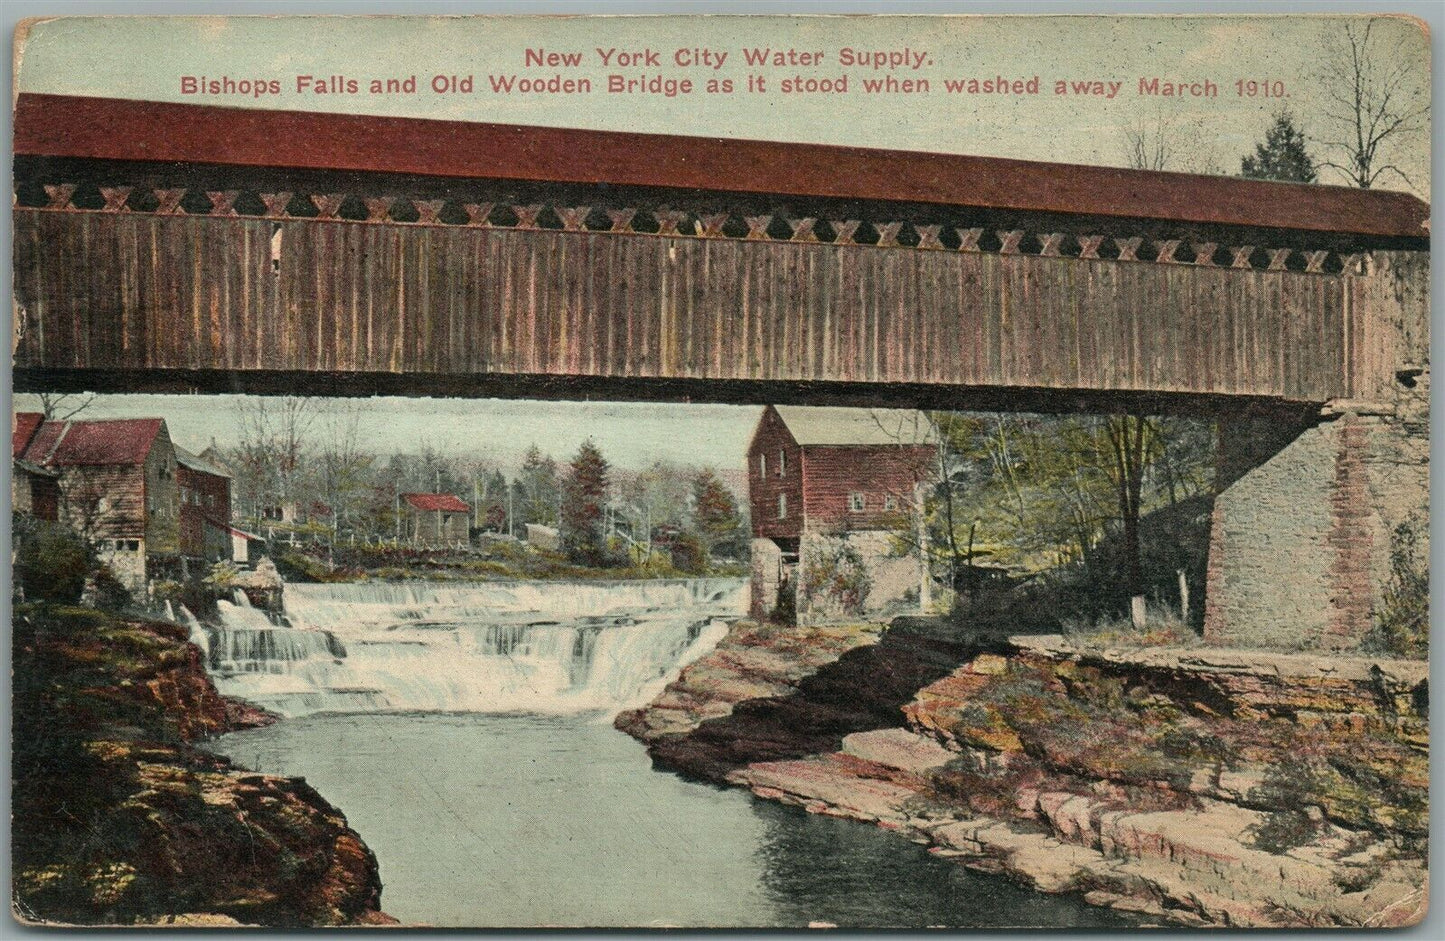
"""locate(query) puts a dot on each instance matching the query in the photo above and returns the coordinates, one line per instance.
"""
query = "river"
(466, 734)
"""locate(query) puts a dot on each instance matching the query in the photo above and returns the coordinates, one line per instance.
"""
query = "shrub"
(223, 574)
(688, 553)
(835, 580)
(52, 561)
(110, 594)
(1402, 626)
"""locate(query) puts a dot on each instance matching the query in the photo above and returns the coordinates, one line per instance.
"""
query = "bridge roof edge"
(130, 130)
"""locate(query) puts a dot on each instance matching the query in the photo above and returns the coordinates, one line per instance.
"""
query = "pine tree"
(1282, 155)
(539, 488)
(584, 495)
(715, 512)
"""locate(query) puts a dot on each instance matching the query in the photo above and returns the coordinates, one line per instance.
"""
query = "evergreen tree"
(1282, 155)
(538, 490)
(715, 511)
(584, 496)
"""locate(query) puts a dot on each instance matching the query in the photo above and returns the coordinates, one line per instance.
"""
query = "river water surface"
(465, 731)
(508, 821)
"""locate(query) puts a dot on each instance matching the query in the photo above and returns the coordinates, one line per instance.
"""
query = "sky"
(630, 434)
(148, 58)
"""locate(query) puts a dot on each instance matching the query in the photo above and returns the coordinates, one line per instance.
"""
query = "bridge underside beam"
(681, 391)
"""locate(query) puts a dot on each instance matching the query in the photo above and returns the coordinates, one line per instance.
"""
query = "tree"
(584, 496)
(715, 511)
(1281, 155)
(1131, 444)
(63, 406)
(1167, 142)
(1378, 96)
(273, 451)
(538, 488)
(342, 466)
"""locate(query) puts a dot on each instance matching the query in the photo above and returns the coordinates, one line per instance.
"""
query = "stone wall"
(1302, 529)
(766, 578)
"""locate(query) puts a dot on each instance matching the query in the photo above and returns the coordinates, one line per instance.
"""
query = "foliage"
(1163, 628)
(584, 495)
(715, 511)
(688, 553)
(1281, 155)
(1021, 493)
(223, 574)
(108, 592)
(300, 566)
(52, 561)
(835, 579)
(1402, 625)
(538, 489)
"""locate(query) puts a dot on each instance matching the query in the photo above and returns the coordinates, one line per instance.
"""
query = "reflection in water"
(853, 875)
(504, 821)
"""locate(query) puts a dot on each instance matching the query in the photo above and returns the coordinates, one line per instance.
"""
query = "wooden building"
(117, 486)
(435, 519)
(824, 481)
(205, 508)
(34, 490)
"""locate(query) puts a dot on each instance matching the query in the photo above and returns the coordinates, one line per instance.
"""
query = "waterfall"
(198, 635)
(540, 647)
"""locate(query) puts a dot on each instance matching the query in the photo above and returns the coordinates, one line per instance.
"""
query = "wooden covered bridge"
(170, 246)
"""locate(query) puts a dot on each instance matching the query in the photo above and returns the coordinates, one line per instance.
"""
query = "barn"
(205, 513)
(117, 487)
(832, 493)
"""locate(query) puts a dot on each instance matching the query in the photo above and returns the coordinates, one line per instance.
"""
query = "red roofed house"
(117, 487)
(435, 519)
(825, 481)
(34, 490)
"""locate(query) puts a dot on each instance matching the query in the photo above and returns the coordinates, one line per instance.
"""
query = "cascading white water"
(198, 635)
(542, 647)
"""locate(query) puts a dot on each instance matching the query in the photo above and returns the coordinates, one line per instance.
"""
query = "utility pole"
(511, 529)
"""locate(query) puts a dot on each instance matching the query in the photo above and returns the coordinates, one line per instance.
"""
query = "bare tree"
(274, 439)
(63, 406)
(342, 463)
(1377, 97)
(1168, 141)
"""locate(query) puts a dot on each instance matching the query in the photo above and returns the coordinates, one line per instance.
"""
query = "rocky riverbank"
(119, 820)
(1201, 787)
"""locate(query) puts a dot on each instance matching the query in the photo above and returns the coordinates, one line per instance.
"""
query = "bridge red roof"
(116, 129)
(431, 502)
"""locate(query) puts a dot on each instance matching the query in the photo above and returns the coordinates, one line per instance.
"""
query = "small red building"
(205, 514)
(821, 478)
(435, 519)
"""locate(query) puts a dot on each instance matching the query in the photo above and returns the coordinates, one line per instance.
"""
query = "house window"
(762, 465)
(782, 506)
(856, 502)
(890, 502)
(133, 545)
(782, 463)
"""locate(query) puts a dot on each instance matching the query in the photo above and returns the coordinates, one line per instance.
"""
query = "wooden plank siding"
(131, 291)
